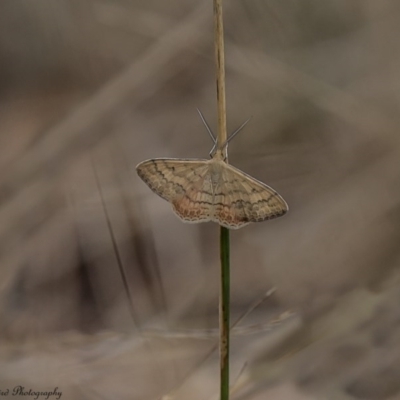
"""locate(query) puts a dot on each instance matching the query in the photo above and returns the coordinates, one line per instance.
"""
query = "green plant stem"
(224, 232)
(224, 313)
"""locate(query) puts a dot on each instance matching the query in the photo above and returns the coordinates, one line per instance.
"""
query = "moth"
(203, 190)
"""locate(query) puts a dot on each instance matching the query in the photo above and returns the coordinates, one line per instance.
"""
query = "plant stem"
(220, 66)
(224, 314)
(224, 232)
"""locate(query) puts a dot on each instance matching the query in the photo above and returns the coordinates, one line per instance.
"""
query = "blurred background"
(104, 293)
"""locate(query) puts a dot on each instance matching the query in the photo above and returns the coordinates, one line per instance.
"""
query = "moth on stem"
(212, 190)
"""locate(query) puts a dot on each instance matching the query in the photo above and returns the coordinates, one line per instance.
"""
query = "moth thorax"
(215, 174)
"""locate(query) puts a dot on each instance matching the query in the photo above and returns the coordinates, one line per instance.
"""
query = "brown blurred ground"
(90, 88)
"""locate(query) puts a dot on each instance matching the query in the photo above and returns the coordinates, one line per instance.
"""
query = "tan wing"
(184, 183)
(241, 199)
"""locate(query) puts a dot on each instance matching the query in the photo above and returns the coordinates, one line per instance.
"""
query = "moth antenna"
(212, 151)
(232, 135)
(207, 126)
